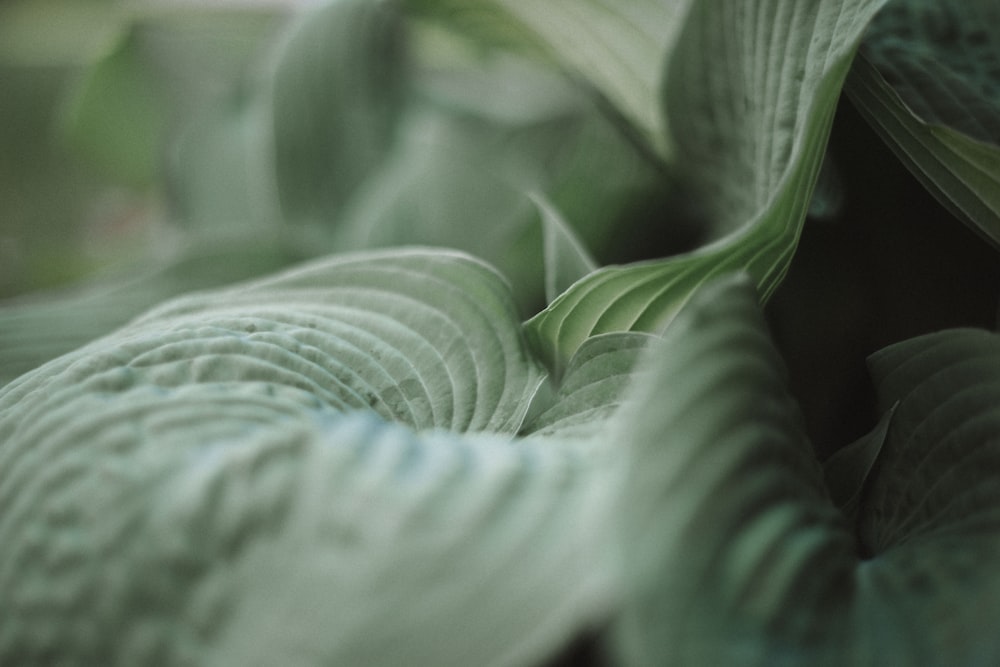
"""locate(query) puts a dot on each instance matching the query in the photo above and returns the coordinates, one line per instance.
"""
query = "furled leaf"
(566, 258)
(731, 548)
(594, 386)
(618, 48)
(928, 81)
(336, 94)
(734, 554)
(848, 470)
(750, 94)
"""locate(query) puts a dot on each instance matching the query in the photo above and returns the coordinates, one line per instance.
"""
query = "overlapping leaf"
(593, 388)
(749, 94)
(928, 80)
(734, 551)
(212, 483)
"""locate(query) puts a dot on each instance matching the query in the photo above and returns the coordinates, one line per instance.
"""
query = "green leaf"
(428, 338)
(732, 552)
(336, 99)
(942, 60)
(593, 388)
(618, 48)
(37, 329)
(848, 470)
(566, 258)
(730, 546)
(961, 171)
(197, 467)
(750, 94)
(244, 522)
(465, 164)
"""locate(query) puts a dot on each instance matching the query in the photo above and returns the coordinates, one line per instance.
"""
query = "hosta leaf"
(732, 550)
(37, 329)
(117, 119)
(566, 258)
(593, 387)
(730, 545)
(336, 98)
(244, 522)
(931, 516)
(750, 93)
(942, 60)
(848, 470)
(427, 338)
(619, 48)
(960, 170)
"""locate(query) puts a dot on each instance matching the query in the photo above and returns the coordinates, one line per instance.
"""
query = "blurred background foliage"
(91, 94)
(148, 148)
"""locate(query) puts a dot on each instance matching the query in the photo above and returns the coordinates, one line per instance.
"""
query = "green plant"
(395, 452)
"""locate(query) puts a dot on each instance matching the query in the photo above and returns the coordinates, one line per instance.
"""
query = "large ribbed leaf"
(213, 484)
(244, 522)
(928, 80)
(593, 387)
(37, 329)
(619, 48)
(749, 94)
(427, 338)
(735, 555)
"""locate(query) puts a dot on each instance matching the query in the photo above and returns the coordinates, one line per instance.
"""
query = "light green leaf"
(198, 469)
(593, 388)
(750, 94)
(730, 545)
(961, 171)
(38, 328)
(428, 338)
(732, 551)
(618, 48)
(566, 258)
(335, 101)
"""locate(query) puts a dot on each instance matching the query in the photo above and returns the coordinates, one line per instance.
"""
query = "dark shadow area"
(891, 265)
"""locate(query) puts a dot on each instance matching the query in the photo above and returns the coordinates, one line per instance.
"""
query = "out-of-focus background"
(89, 91)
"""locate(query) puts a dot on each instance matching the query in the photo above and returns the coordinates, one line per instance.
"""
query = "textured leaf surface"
(734, 552)
(593, 387)
(212, 484)
(427, 338)
(942, 58)
(959, 169)
(248, 524)
(750, 93)
(36, 330)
